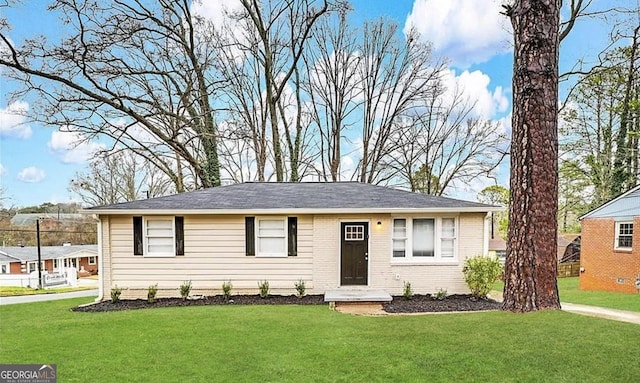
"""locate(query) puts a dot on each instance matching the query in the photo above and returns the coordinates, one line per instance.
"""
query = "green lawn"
(314, 344)
(569, 292)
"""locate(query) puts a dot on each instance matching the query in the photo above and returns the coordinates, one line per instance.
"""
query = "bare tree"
(444, 143)
(281, 29)
(119, 176)
(137, 73)
(332, 87)
(531, 265)
(394, 79)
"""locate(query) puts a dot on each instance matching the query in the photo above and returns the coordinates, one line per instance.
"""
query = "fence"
(568, 269)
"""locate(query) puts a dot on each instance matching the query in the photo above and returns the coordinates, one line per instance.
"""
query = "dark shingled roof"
(293, 196)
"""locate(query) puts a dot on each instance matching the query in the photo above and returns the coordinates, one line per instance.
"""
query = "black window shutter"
(292, 225)
(179, 235)
(250, 235)
(137, 236)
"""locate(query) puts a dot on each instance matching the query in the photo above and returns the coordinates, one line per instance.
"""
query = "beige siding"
(214, 253)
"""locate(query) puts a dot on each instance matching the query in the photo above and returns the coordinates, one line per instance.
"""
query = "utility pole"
(39, 255)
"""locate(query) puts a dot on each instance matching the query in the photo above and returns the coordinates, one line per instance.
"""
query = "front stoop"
(357, 302)
(356, 296)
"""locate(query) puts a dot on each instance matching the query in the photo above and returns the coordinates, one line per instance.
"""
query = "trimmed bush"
(151, 294)
(185, 289)
(480, 273)
(226, 290)
(264, 288)
(115, 294)
(407, 292)
(440, 295)
(300, 288)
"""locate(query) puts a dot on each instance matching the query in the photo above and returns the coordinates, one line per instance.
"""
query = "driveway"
(47, 297)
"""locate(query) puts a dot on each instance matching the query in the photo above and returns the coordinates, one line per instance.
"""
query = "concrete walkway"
(47, 297)
(601, 312)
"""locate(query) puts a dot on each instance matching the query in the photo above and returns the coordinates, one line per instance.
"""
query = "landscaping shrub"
(407, 292)
(185, 289)
(151, 294)
(226, 289)
(115, 294)
(480, 273)
(264, 288)
(300, 288)
(440, 295)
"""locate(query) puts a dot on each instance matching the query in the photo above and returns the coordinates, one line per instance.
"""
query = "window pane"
(271, 228)
(399, 246)
(447, 248)
(423, 235)
(159, 248)
(271, 245)
(625, 241)
(626, 229)
(448, 228)
(399, 228)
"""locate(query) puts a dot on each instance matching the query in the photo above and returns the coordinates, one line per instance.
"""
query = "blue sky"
(37, 163)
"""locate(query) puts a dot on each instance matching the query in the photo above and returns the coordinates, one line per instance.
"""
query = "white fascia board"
(291, 211)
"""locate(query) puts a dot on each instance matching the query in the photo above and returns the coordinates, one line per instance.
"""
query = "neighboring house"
(330, 235)
(24, 260)
(610, 250)
(498, 249)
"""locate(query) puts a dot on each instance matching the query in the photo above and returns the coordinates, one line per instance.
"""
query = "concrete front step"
(359, 295)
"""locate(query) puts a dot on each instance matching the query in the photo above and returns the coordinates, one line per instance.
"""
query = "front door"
(354, 253)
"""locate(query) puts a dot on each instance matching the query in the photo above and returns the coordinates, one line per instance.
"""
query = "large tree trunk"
(531, 267)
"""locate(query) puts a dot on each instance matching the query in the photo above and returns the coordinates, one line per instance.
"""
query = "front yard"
(312, 343)
(569, 293)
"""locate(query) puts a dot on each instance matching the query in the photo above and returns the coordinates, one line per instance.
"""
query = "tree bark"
(531, 266)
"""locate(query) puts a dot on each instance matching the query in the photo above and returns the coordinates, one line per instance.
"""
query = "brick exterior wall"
(605, 268)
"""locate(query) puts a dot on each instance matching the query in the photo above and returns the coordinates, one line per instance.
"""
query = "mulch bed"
(426, 303)
(418, 303)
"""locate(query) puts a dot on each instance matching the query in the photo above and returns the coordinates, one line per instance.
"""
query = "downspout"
(100, 262)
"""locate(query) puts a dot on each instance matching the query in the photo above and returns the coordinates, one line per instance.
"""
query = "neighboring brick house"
(24, 259)
(610, 250)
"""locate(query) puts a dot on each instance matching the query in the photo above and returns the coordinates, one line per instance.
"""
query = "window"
(448, 238)
(56, 263)
(354, 232)
(92, 260)
(33, 266)
(424, 239)
(271, 236)
(158, 236)
(399, 237)
(4, 269)
(624, 235)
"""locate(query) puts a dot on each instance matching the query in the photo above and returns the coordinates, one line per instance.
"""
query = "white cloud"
(475, 87)
(466, 31)
(31, 175)
(72, 147)
(217, 11)
(13, 121)
(3, 170)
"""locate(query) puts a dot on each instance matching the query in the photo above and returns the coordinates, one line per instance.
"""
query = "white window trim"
(94, 257)
(409, 259)
(145, 241)
(5, 268)
(285, 221)
(35, 265)
(617, 236)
